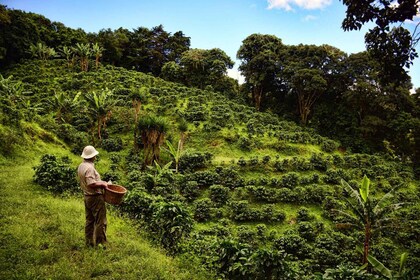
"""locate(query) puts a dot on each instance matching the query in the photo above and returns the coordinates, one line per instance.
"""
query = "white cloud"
(235, 74)
(305, 4)
(309, 18)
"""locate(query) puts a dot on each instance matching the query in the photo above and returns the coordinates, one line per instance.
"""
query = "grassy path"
(41, 237)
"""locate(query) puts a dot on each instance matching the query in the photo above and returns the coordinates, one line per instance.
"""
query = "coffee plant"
(55, 174)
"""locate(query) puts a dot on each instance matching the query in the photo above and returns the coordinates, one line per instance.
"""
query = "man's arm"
(98, 184)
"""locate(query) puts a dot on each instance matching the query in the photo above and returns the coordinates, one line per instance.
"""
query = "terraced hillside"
(247, 194)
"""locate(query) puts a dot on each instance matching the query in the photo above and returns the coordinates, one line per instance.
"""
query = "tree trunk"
(366, 243)
(257, 94)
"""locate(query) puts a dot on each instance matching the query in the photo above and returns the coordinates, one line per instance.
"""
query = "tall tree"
(392, 47)
(260, 63)
(310, 71)
(203, 68)
(309, 85)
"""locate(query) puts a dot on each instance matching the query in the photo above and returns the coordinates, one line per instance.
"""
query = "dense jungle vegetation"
(309, 170)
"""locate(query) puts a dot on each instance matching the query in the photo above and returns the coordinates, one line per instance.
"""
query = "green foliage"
(190, 161)
(202, 209)
(343, 272)
(112, 144)
(219, 194)
(266, 182)
(55, 174)
(171, 222)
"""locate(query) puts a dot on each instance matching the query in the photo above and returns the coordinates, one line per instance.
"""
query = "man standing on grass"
(92, 186)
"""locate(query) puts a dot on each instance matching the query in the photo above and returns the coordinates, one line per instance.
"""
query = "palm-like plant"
(100, 107)
(63, 104)
(364, 213)
(68, 54)
(97, 51)
(83, 51)
(42, 51)
(152, 130)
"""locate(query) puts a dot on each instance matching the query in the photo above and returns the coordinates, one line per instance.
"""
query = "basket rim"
(122, 191)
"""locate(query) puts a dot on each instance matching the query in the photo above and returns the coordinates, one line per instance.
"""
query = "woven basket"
(114, 194)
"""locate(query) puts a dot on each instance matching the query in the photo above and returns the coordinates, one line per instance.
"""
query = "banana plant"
(160, 171)
(68, 54)
(388, 273)
(361, 212)
(83, 51)
(175, 153)
(97, 51)
(100, 106)
(63, 104)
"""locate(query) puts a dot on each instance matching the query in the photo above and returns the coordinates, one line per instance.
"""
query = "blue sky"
(220, 24)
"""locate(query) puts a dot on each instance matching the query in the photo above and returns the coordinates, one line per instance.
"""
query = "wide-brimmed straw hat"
(89, 152)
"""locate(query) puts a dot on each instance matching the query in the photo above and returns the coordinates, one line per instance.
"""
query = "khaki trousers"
(95, 227)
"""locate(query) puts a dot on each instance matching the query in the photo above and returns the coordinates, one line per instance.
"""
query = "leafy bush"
(137, 203)
(290, 180)
(190, 190)
(219, 194)
(170, 222)
(329, 146)
(293, 244)
(319, 162)
(307, 230)
(245, 144)
(346, 272)
(55, 174)
(203, 178)
(191, 161)
(202, 209)
(303, 214)
(229, 177)
(112, 144)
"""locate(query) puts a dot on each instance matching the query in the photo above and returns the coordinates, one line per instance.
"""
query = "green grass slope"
(42, 237)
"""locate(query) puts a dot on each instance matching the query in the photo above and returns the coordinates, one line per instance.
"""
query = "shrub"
(219, 194)
(112, 144)
(303, 214)
(307, 230)
(329, 146)
(263, 194)
(289, 180)
(55, 174)
(190, 190)
(202, 209)
(319, 162)
(231, 258)
(170, 222)
(203, 178)
(241, 162)
(245, 144)
(271, 264)
(292, 244)
(247, 235)
(111, 176)
(137, 204)
(240, 210)
(229, 177)
(191, 161)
